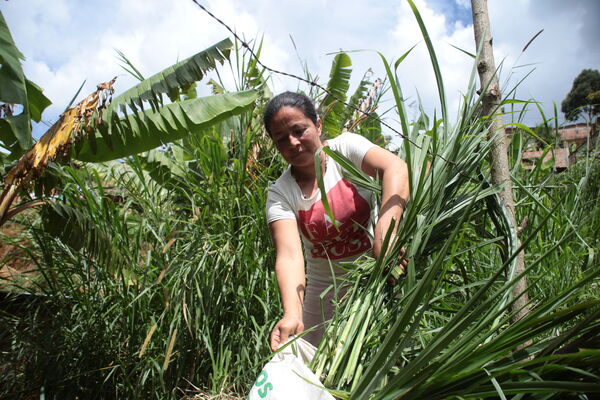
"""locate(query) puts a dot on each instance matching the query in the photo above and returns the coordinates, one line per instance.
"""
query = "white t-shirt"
(351, 206)
(326, 247)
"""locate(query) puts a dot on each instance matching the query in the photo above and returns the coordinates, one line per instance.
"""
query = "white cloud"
(416, 72)
(67, 41)
(62, 52)
(555, 57)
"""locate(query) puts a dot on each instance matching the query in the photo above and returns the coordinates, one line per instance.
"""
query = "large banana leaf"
(360, 92)
(146, 130)
(163, 167)
(338, 116)
(15, 130)
(332, 107)
(12, 84)
(172, 79)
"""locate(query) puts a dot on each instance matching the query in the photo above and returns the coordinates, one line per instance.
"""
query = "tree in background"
(594, 99)
(584, 96)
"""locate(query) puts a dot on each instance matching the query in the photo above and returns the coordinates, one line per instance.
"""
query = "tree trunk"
(499, 159)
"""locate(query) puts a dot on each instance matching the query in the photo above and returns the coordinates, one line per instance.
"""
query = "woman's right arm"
(289, 269)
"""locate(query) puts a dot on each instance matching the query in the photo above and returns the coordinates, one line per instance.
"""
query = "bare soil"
(15, 265)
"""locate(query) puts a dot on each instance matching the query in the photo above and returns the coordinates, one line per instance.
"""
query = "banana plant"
(341, 114)
(101, 128)
(205, 152)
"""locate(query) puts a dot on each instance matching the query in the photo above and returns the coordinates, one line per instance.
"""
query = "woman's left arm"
(393, 173)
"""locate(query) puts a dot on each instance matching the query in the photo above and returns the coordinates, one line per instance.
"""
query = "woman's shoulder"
(344, 138)
(350, 142)
(352, 146)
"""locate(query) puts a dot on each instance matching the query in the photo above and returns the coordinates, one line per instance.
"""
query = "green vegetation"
(16, 89)
(154, 272)
(584, 96)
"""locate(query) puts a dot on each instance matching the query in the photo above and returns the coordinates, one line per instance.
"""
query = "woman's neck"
(308, 173)
(303, 174)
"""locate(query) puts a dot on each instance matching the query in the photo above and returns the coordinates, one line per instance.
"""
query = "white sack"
(286, 376)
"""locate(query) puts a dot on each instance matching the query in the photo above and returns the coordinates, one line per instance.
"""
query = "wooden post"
(498, 158)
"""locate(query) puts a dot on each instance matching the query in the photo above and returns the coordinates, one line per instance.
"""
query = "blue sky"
(69, 41)
(455, 11)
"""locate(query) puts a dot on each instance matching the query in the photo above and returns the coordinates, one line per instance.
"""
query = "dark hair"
(289, 99)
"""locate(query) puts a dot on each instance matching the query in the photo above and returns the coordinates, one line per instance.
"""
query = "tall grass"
(170, 294)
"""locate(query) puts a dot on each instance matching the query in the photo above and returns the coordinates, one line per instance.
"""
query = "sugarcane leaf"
(402, 57)
(434, 62)
(403, 328)
(529, 131)
(473, 56)
(129, 66)
(321, 184)
(401, 110)
(470, 354)
(352, 173)
(70, 103)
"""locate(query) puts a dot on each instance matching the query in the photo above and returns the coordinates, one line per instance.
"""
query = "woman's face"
(295, 136)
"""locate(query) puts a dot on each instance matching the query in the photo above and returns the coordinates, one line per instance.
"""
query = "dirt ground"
(223, 396)
(14, 263)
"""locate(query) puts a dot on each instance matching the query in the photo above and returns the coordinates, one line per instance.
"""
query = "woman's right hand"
(288, 325)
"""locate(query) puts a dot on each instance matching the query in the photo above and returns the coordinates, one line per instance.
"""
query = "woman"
(297, 219)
